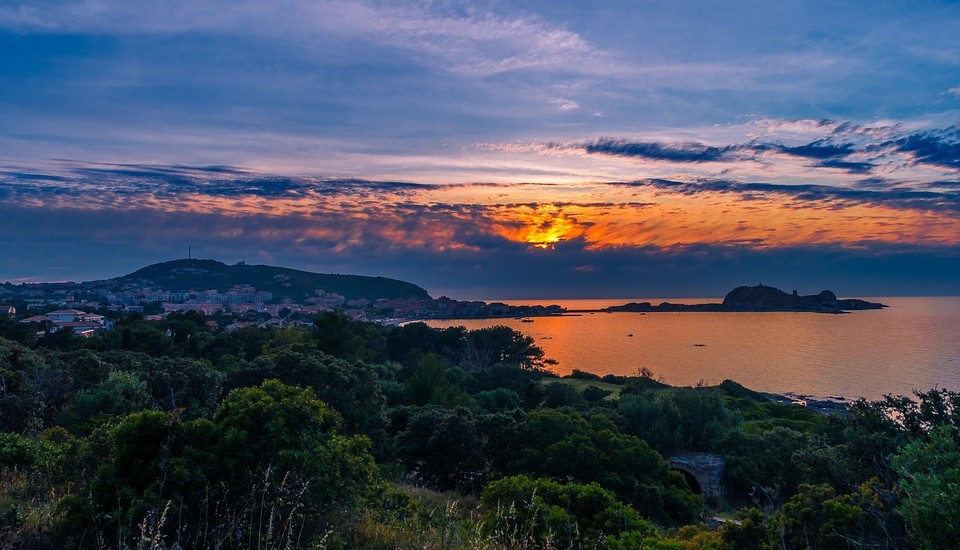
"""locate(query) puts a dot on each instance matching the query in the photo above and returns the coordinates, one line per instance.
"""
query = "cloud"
(893, 197)
(80, 179)
(339, 215)
(829, 152)
(483, 44)
(492, 267)
(674, 152)
(463, 237)
(829, 155)
(851, 167)
(466, 40)
(937, 148)
(565, 104)
(819, 149)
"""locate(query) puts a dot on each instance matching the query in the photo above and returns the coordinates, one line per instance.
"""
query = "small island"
(760, 298)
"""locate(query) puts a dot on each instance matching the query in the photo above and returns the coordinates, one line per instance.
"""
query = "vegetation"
(185, 275)
(170, 434)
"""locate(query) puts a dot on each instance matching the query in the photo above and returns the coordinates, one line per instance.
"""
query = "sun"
(543, 227)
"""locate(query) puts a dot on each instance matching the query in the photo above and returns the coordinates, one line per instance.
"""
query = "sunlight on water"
(914, 344)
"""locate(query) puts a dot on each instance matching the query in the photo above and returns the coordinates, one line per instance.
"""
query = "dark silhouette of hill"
(186, 275)
(768, 298)
(761, 298)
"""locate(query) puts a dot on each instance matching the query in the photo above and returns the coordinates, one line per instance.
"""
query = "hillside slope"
(186, 275)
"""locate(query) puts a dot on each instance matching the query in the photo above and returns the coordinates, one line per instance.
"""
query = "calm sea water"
(913, 344)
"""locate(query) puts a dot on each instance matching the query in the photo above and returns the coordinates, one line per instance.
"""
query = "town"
(87, 307)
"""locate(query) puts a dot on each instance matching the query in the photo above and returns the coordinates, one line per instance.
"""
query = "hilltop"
(199, 275)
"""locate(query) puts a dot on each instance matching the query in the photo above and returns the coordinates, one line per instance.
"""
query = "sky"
(523, 149)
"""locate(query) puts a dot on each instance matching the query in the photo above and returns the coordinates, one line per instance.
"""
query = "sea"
(912, 345)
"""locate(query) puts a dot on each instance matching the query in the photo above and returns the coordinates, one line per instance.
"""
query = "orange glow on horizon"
(542, 227)
(453, 218)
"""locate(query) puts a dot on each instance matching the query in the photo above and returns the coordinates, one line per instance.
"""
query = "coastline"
(754, 299)
(822, 405)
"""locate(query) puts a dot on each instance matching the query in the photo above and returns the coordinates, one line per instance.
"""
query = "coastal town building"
(82, 322)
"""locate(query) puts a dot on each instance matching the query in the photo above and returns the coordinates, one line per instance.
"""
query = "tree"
(560, 394)
(429, 384)
(501, 345)
(150, 464)
(183, 325)
(498, 400)
(337, 335)
(595, 394)
(277, 430)
(930, 480)
(558, 444)
(559, 515)
(63, 339)
(443, 446)
(23, 333)
(121, 393)
(691, 419)
(173, 383)
(817, 518)
(349, 388)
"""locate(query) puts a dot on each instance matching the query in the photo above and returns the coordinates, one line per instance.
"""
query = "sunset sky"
(488, 149)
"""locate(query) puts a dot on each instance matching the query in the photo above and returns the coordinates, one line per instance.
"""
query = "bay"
(913, 344)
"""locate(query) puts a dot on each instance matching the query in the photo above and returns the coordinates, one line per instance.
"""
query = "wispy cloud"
(464, 39)
(565, 104)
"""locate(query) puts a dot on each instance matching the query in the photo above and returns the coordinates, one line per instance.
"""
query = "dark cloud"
(829, 155)
(943, 183)
(851, 167)
(173, 181)
(894, 197)
(819, 149)
(936, 148)
(83, 245)
(677, 152)
(29, 176)
(93, 221)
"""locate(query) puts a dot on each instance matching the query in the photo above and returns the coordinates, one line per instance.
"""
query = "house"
(92, 319)
(66, 315)
(37, 319)
(83, 323)
(8, 310)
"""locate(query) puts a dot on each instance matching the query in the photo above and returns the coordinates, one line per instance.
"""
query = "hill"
(187, 275)
(760, 298)
(768, 298)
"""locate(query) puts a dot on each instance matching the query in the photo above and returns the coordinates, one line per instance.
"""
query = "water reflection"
(914, 344)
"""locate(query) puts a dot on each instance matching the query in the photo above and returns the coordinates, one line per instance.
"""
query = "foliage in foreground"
(172, 435)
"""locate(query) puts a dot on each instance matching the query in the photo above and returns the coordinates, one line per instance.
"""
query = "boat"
(526, 320)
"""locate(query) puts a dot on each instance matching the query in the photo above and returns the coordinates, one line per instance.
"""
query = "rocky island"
(760, 298)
